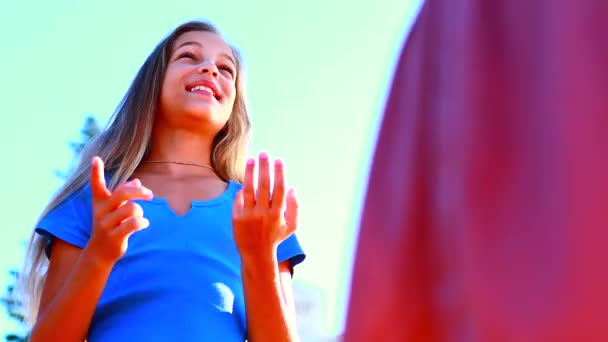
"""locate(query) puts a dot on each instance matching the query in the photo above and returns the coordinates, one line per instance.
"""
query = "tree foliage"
(14, 307)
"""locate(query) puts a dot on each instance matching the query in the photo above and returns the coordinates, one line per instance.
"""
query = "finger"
(98, 181)
(115, 218)
(129, 192)
(120, 196)
(131, 225)
(237, 207)
(278, 193)
(248, 188)
(291, 212)
(263, 197)
(134, 182)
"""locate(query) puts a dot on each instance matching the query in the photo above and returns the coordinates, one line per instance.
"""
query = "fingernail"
(250, 162)
(278, 162)
(263, 155)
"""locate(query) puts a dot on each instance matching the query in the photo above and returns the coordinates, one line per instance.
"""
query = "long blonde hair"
(125, 143)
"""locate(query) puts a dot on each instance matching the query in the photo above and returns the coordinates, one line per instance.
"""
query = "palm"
(262, 219)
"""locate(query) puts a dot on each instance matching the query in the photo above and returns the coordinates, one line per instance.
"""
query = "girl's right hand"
(115, 216)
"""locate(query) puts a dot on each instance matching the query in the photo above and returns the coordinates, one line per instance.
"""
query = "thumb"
(98, 180)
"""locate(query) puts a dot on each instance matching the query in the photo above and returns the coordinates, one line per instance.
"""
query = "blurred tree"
(13, 305)
(90, 129)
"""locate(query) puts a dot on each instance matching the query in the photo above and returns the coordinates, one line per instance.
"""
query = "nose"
(208, 67)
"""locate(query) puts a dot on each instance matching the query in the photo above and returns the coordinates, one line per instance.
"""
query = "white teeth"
(200, 87)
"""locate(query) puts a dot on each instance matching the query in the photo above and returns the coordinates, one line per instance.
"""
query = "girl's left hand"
(260, 223)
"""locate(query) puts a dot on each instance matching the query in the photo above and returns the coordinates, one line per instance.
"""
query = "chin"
(205, 117)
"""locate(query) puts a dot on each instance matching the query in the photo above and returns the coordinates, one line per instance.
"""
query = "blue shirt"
(180, 278)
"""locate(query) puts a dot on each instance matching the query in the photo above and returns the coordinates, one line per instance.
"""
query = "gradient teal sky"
(317, 75)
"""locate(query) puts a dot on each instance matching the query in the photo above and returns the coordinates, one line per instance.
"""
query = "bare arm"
(269, 300)
(260, 225)
(74, 284)
(76, 278)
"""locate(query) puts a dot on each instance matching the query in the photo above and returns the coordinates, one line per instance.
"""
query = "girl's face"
(199, 85)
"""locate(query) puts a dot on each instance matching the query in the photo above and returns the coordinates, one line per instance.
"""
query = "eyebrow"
(200, 45)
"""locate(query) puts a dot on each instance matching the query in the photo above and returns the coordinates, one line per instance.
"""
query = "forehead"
(209, 41)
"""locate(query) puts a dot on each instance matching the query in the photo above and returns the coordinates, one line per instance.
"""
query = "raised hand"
(115, 217)
(261, 222)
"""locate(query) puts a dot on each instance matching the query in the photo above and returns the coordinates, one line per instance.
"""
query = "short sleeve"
(291, 250)
(70, 221)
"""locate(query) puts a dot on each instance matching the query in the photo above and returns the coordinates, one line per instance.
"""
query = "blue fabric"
(180, 278)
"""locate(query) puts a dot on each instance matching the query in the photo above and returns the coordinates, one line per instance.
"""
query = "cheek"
(170, 91)
(165, 94)
(171, 82)
(230, 89)
(169, 85)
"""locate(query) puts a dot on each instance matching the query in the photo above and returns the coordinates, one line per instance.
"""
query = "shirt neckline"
(230, 189)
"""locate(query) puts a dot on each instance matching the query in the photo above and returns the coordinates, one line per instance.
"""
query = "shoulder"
(235, 184)
(78, 199)
(68, 219)
(233, 188)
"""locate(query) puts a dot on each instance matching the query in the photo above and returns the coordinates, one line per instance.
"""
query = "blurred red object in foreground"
(486, 216)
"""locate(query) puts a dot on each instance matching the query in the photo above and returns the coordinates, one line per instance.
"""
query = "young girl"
(170, 240)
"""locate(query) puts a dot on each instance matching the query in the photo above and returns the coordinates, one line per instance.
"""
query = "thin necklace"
(180, 163)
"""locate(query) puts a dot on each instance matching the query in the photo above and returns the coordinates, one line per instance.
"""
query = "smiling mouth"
(203, 90)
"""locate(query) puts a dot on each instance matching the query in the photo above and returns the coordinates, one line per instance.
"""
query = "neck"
(179, 146)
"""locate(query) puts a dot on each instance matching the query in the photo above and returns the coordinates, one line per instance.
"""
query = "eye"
(186, 55)
(228, 70)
